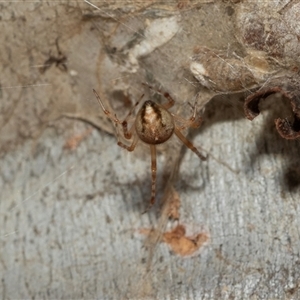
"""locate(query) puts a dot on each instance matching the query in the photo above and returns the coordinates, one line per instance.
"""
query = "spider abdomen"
(154, 124)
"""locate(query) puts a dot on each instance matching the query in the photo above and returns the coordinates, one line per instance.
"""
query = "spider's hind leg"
(153, 176)
(131, 147)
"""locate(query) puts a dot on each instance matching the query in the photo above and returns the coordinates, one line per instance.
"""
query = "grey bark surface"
(71, 222)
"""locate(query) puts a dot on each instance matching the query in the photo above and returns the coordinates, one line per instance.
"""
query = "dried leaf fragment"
(288, 86)
(178, 241)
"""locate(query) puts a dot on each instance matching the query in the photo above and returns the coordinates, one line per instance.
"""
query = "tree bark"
(71, 204)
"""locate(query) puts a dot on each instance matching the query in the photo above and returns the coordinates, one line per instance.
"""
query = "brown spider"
(153, 124)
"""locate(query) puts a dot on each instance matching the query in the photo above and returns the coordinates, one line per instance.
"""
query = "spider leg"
(188, 143)
(170, 102)
(128, 133)
(191, 122)
(107, 112)
(131, 147)
(153, 174)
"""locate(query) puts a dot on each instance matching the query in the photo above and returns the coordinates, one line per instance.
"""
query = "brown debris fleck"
(178, 241)
(73, 142)
(182, 244)
(182, 4)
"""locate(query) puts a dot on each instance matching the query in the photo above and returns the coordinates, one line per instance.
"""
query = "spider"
(154, 124)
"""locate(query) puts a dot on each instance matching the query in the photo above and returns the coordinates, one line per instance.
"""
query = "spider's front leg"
(107, 112)
(128, 133)
(185, 123)
(170, 102)
(192, 122)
